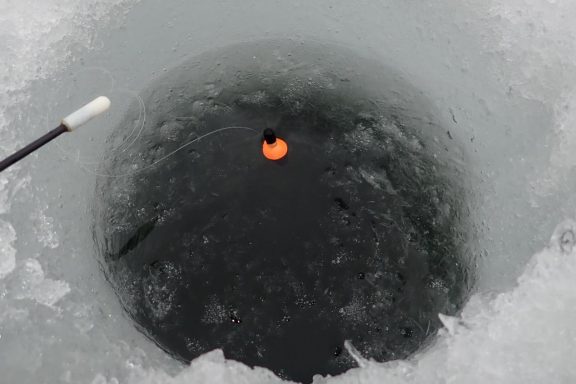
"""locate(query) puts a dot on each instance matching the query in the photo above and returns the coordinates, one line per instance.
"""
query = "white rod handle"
(86, 113)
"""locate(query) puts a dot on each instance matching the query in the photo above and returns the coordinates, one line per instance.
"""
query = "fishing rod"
(273, 148)
(69, 124)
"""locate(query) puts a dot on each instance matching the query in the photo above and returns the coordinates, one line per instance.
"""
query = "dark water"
(357, 235)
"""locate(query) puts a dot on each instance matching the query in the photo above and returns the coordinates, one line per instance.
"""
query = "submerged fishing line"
(112, 89)
(123, 147)
(135, 133)
(141, 115)
(170, 154)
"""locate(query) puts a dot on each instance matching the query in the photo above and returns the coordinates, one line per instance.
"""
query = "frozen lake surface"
(500, 77)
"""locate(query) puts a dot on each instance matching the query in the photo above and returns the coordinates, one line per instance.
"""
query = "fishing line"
(171, 153)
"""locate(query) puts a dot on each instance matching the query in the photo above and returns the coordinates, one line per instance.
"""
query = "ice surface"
(502, 71)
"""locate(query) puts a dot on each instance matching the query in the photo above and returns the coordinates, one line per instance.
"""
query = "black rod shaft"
(22, 153)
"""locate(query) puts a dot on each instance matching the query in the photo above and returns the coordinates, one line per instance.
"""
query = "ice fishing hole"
(359, 234)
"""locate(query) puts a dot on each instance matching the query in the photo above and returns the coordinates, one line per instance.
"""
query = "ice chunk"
(7, 251)
(33, 285)
(356, 355)
(451, 323)
(210, 368)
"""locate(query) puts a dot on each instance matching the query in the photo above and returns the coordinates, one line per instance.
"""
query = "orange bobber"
(273, 148)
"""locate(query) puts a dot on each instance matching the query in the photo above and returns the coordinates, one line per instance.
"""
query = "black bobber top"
(269, 136)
